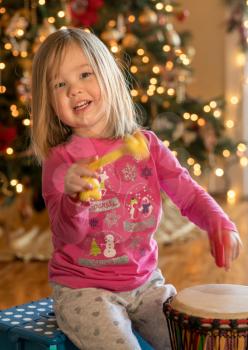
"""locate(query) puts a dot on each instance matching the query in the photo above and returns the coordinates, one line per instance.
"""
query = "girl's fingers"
(232, 244)
(216, 251)
(76, 184)
(88, 173)
(212, 248)
(81, 184)
(238, 245)
(219, 253)
(228, 249)
(225, 247)
(228, 257)
(79, 170)
(74, 189)
(237, 237)
(82, 168)
(85, 163)
(235, 252)
(218, 247)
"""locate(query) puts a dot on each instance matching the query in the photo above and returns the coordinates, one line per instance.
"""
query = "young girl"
(104, 266)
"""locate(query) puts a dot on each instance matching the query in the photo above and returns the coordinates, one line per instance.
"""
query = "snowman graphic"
(109, 251)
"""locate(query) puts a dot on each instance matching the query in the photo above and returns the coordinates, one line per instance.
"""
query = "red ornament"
(7, 136)
(84, 12)
(182, 15)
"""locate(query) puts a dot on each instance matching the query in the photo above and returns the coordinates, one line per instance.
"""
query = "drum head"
(221, 301)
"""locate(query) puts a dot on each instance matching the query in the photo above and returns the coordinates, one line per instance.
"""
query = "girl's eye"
(59, 85)
(85, 75)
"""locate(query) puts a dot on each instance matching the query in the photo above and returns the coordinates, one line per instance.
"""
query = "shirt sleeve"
(68, 218)
(192, 200)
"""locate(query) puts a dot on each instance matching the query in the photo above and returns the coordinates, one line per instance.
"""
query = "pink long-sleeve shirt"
(109, 244)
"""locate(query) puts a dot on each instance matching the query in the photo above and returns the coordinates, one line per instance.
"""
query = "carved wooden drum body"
(209, 317)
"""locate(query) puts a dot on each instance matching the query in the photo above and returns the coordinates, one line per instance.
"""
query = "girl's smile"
(81, 106)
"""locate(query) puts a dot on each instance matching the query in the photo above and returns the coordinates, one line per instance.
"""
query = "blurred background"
(187, 66)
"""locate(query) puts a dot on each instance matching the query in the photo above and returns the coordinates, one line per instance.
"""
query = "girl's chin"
(88, 132)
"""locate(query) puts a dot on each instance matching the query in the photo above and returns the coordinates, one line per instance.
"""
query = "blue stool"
(33, 326)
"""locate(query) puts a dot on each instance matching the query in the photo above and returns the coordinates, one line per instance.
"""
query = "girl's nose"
(74, 90)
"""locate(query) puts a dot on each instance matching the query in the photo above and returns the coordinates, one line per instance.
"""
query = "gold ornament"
(172, 36)
(190, 50)
(148, 17)
(111, 35)
(45, 29)
(130, 40)
(17, 24)
(121, 27)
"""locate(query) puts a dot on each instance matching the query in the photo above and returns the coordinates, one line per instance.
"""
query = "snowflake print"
(94, 222)
(146, 172)
(142, 252)
(111, 219)
(135, 243)
(129, 173)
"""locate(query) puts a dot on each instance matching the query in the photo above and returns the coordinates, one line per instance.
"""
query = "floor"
(184, 262)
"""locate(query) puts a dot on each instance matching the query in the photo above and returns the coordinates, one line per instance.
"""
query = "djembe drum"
(209, 317)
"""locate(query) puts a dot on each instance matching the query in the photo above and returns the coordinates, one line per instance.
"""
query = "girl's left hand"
(225, 246)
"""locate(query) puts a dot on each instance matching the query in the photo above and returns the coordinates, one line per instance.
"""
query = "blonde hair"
(47, 130)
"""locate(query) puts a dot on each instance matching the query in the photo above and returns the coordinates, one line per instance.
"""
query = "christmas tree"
(95, 249)
(24, 25)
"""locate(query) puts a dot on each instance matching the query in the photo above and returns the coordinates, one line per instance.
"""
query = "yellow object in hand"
(134, 145)
(94, 193)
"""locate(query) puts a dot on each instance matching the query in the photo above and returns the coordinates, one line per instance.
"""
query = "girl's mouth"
(81, 106)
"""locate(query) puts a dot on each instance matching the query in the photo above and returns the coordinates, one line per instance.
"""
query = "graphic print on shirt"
(139, 205)
(102, 246)
(146, 206)
(146, 172)
(95, 249)
(138, 246)
(93, 222)
(103, 177)
(109, 251)
(111, 219)
(129, 173)
(104, 205)
(119, 221)
(138, 200)
(133, 207)
(110, 187)
(110, 179)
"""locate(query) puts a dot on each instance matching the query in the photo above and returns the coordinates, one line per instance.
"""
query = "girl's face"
(76, 95)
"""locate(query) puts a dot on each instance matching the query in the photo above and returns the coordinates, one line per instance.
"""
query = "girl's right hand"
(225, 246)
(74, 182)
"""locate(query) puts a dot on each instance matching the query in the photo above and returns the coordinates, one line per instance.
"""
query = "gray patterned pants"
(98, 319)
